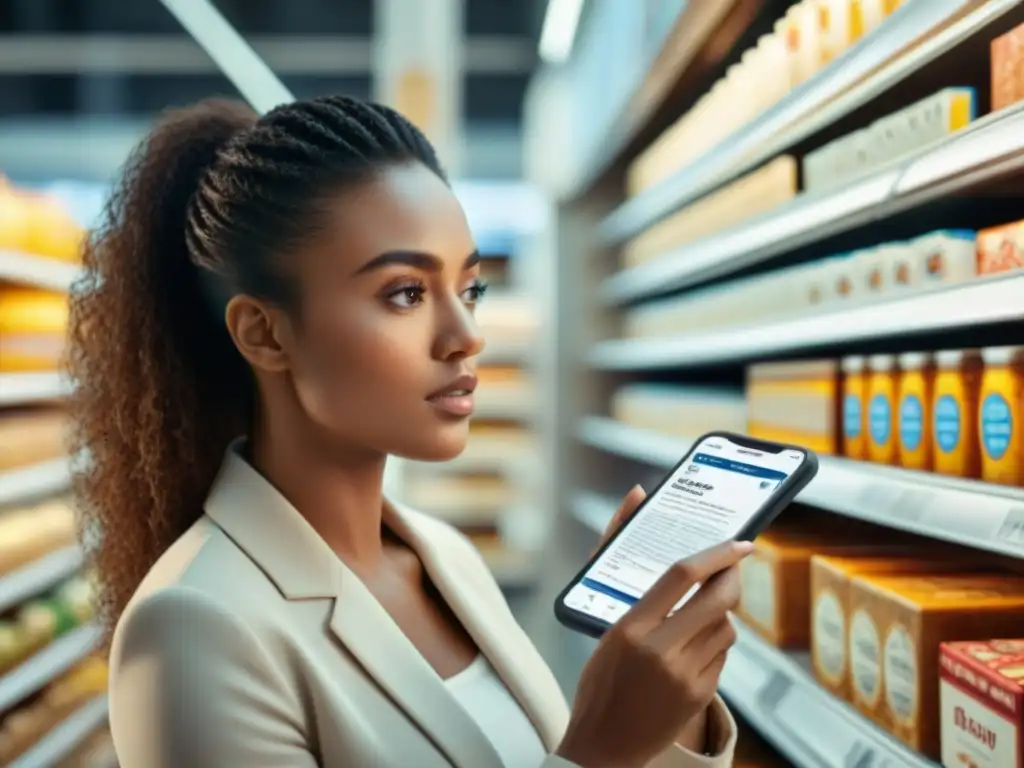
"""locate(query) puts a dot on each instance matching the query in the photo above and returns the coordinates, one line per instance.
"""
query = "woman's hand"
(652, 673)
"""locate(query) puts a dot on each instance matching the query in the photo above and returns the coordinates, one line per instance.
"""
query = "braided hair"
(210, 204)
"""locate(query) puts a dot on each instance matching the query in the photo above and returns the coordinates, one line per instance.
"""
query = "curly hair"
(210, 204)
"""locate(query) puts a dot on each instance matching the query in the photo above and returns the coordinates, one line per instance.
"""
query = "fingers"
(712, 603)
(714, 641)
(651, 610)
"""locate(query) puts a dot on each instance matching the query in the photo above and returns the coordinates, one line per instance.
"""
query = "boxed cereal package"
(830, 599)
(980, 699)
(897, 624)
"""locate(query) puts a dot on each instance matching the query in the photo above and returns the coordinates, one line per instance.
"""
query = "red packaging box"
(981, 699)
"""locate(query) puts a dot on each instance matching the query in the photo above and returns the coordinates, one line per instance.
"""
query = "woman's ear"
(260, 333)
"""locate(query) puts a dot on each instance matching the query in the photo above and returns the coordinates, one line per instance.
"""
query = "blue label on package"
(947, 423)
(880, 419)
(996, 426)
(851, 416)
(911, 422)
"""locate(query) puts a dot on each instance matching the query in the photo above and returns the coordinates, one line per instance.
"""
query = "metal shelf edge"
(36, 577)
(61, 740)
(994, 299)
(47, 664)
(921, 503)
(24, 388)
(37, 271)
(756, 671)
(990, 147)
(35, 481)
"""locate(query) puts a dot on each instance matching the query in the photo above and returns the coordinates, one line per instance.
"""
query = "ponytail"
(159, 389)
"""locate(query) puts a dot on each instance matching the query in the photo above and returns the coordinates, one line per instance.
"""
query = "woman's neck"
(337, 490)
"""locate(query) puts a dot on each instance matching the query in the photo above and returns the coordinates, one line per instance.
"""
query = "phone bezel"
(773, 507)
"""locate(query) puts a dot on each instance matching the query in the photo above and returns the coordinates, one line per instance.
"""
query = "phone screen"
(708, 499)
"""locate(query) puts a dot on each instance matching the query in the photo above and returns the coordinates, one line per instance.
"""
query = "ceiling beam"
(333, 55)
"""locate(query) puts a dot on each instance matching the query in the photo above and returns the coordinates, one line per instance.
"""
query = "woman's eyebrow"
(428, 262)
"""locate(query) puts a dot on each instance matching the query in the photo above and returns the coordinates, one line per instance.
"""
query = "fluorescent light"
(559, 30)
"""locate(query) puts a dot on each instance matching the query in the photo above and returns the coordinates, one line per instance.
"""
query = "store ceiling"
(129, 57)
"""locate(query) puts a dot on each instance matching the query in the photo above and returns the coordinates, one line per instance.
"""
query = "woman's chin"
(446, 445)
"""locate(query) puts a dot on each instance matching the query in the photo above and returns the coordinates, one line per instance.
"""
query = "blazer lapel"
(496, 633)
(303, 567)
(385, 653)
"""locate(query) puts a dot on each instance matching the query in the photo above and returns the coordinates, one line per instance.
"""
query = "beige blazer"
(251, 645)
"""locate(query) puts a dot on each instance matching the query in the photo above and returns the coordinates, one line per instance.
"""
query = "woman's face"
(384, 354)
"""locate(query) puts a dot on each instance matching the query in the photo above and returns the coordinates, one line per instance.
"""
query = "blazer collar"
(294, 557)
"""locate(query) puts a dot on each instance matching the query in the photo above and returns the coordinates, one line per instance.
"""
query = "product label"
(757, 597)
(973, 735)
(865, 664)
(947, 423)
(880, 419)
(829, 637)
(996, 425)
(911, 422)
(851, 416)
(901, 674)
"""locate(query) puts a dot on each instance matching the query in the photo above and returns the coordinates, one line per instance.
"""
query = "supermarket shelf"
(988, 150)
(24, 388)
(37, 271)
(854, 79)
(37, 577)
(516, 403)
(498, 353)
(34, 481)
(50, 662)
(918, 502)
(61, 741)
(996, 299)
(776, 694)
(511, 569)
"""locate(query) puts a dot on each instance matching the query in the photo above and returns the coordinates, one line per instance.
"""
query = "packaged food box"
(981, 702)
(897, 624)
(1008, 68)
(830, 599)
(1001, 249)
(776, 595)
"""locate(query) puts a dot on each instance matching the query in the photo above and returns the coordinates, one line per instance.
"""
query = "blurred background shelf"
(43, 479)
(62, 741)
(28, 388)
(36, 271)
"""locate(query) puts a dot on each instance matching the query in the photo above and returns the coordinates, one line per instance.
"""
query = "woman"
(275, 306)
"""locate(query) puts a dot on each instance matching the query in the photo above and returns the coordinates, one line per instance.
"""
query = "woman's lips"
(457, 403)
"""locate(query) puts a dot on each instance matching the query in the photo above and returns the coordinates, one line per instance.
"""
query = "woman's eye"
(407, 297)
(474, 292)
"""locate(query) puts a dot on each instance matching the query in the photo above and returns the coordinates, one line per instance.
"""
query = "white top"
(482, 694)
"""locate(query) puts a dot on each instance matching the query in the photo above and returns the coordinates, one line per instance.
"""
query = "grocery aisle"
(52, 687)
(803, 221)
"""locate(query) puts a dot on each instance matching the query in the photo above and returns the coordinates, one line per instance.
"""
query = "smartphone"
(727, 487)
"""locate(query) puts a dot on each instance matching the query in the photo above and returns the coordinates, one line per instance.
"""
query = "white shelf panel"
(35, 481)
(776, 694)
(37, 271)
(39, 576)
(48, 664)
(987, 150)
(995, 299)
(856, 78)
(24, 388)
(61, 741)
(975, 514)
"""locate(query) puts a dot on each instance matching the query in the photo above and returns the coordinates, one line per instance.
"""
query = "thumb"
(632, 500)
